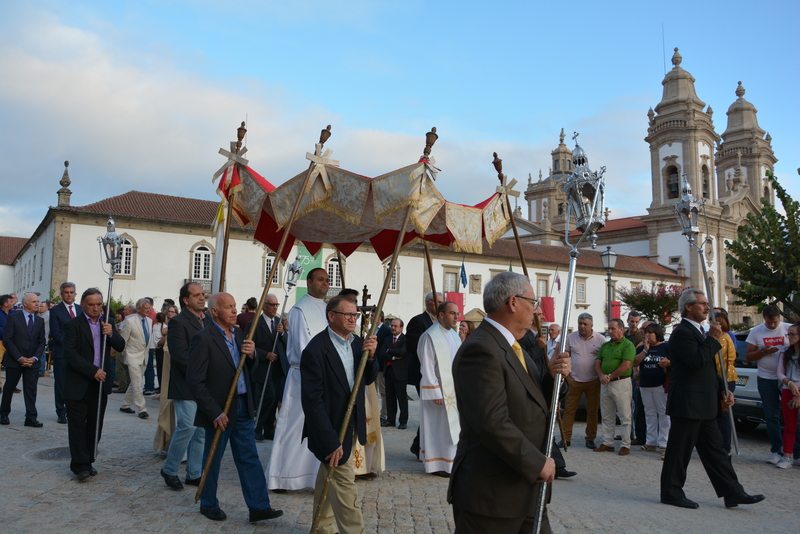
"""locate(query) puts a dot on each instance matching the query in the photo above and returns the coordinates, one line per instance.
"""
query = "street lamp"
(609, 259)
(585, 192)
(687, 211)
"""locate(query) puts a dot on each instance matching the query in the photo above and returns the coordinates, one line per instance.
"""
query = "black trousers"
(395, 395)
(272, 396)
(30, 380)
(685, 435)
(469, 523)
(81, 422)
(59, 371)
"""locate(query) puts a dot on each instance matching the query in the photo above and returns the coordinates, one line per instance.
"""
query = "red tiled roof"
(154, 206)
(560, 255)
(10, 247)
(624, 223)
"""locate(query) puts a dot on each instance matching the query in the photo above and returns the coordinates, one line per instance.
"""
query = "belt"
(619, 378)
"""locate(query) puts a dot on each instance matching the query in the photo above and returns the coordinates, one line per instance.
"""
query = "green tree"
(766, 254)
(658, 303)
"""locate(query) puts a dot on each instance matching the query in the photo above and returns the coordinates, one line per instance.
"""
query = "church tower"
(546, 202)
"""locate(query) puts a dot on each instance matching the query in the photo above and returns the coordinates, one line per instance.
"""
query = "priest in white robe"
(291, 465)
(439, 427)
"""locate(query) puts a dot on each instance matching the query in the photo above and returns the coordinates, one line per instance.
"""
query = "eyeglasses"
(535, 302)
(349, 316)
(271, 304)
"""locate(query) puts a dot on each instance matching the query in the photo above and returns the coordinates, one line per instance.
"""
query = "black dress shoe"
(143, 415)
(732, 501)
(402, 426)
(563, 473)
(62, 420)
(683, 503)
(4, 420)
(214, 514)
(267, 513)
(443, 474)
(92, 471)
(192, 481)
(172, 481)
(415, 451)
(127, 410)
(387, 423)
(83, 475)
(590, 444)
(17, 390)
(279, 491)
(259, 436)
(34, 423)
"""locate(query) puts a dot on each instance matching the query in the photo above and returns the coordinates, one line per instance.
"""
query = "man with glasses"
(438, 420)
(328, 366)
(693, 403)
(269, 334)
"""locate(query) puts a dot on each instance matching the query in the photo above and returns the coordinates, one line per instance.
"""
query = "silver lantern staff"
(585, 191)
(111, 245)
(687, 210)
(292, 275)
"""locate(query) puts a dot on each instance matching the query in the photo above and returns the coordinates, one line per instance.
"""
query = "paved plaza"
(610, 494)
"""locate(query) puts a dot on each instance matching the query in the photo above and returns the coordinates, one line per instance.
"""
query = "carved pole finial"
(324, 135)
(575, 138)
(240, 133)
(430, 139)
(498, 166)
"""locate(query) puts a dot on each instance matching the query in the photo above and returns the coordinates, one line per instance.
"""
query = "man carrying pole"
(328, 370)
(271, 353)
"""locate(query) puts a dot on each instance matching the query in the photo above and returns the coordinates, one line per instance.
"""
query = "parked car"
(747, 412)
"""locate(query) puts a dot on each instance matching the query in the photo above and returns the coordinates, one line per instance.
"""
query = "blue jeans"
(770, 392)
(245, 455)
(149, 372)
(188, 439)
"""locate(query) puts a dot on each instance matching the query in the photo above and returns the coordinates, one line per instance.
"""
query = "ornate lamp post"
(293, 273)
(111, 245)
(687, 211)
(585, 191)
(609, 259)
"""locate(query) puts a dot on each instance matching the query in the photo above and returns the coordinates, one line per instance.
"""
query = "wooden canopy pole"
(324, 136)
(507, 191)
(430, 139)
(240, 133)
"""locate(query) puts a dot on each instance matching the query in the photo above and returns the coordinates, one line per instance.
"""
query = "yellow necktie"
(518, 351)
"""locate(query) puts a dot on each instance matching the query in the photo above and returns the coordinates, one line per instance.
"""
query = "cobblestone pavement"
(610, 494)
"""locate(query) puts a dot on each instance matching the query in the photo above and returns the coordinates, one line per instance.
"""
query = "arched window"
(673, 182)
(557, 165)
(706, 183)
(201, 263)
(394, 282)
(269, 258)
(334, 273)
(127, 267)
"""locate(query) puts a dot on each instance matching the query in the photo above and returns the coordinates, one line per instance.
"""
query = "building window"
(580, 289)
(334, 273)
(269, 258)
(673, 182)
(557, 164)
(41, 264)
(706, 183)
(127, 267)
(451, 278)
(394, 282)
(561, 208)
(201, 263)
(541, 287)
(33, 272)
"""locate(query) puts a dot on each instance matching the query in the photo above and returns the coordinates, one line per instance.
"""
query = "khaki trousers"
(135, 395)
(576, 389)
(341, 502)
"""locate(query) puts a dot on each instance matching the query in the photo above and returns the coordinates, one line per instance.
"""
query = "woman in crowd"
(465, 328)
(728, 343)
(789, 377)
(160, 337)
(652, 357)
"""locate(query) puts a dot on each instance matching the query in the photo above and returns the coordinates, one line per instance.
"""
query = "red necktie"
(71, 312)
(394, 342)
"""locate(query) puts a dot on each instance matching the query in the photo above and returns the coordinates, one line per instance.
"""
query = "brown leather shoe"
(604, 448)
(624, 451)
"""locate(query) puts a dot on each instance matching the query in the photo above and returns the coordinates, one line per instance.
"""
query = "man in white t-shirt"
(765, 344)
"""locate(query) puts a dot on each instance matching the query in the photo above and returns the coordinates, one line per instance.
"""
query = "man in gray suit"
(136, 330)
(500, 461)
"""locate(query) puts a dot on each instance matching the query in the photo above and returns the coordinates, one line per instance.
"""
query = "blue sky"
(140, 95)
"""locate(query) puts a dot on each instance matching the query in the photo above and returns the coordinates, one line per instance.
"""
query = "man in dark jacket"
(328, 368)
(269, 336)
(695, 395)
(394, 356)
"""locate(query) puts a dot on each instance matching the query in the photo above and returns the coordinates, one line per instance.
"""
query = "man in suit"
(328, 368)
(61, 314)
(269, 334)
(504, 412)
(84, 376)
(382, 331)
(393, 354)
(136, 331)
(214, 356)
(416, 327)
(187, 439)
(695, 397)
(24, 341)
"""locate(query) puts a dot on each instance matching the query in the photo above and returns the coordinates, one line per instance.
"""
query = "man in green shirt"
(613, 366)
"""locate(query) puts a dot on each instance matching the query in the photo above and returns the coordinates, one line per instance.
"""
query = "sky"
(141, 95)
